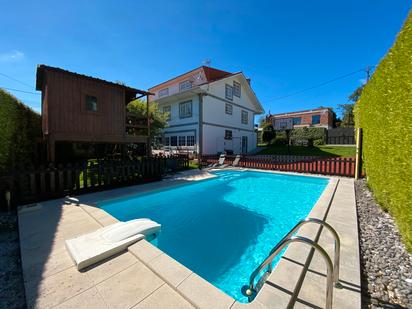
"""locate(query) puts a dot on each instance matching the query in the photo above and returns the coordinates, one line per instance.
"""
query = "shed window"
(185, 109)
(244, 118)
(229, 92)
(163, 92)
(91, 103)
(167, 110)
(182, 140)
(236, 89)
(297, 120)
(229, 109)
(228, 134)
(315, 119)
(185, 85)
(190, 140)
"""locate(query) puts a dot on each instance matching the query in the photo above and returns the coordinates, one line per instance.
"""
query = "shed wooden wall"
(64, 109)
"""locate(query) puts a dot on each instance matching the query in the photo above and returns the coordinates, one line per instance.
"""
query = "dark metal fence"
(48, 182)
(341, 136)
(299, 164)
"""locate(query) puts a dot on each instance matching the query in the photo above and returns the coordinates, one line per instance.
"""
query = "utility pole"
(368, 73)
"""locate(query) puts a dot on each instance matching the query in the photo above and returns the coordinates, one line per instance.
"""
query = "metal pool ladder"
(332, 275)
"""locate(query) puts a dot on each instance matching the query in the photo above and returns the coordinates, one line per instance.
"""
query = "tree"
(348, 118)
(354, 97)
(268, 133)
(158, 120)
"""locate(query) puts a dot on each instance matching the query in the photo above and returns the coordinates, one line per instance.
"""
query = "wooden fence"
(48, 182)
(300, 164)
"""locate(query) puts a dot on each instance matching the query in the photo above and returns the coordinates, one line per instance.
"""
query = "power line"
(16, 80)
(18, 90)
(316, 86)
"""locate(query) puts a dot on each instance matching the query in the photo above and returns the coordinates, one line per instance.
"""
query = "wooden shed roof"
(42, 68)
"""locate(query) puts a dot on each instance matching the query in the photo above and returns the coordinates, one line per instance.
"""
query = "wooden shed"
(82, 109)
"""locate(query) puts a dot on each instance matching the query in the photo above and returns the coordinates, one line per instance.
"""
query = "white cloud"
(12, 56)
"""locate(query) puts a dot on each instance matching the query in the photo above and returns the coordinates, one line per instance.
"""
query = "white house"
(211, 111)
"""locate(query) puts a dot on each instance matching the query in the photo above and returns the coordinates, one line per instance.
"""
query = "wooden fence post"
(358, 164)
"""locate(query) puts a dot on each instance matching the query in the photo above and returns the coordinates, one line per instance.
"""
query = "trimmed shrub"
(309, 134)
(20, 127)
(318, 142)
(384, 112)
(268, 134)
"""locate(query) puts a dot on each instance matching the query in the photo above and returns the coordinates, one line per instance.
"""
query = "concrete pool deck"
(145, 277)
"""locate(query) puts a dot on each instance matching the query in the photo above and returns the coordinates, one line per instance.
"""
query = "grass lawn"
(325, 151)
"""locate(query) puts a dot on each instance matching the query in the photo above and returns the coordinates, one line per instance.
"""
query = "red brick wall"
(326, 118)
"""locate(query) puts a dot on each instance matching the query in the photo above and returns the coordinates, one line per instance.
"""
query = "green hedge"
(308, 133)
(20, 128)
(384, 112)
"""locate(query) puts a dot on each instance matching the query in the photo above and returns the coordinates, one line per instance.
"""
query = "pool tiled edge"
(279, 289)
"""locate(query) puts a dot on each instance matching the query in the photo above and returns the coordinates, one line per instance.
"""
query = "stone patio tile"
(313, 292)
(203, 294)
(86, 300)
(129, 287)
(109, 267)
(42, 266)
(169, 269)
(253, 305)
(106, 220)
(144, 251)
(163, 298)
(57, 288)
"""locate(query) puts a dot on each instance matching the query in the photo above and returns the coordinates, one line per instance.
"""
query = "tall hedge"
(384, 112)
(20, 130)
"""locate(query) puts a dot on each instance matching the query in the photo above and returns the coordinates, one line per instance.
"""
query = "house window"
(167, 141)
(163, 92)
(229, 109)
(190, 140)
(297, 120)
(244, 117)
(167, 110)
(185, 109)
(315, 119)
(182, 140)
(228, 134)
(173, 141)
(185, 85)
(91, 103)
(236, 89)
(229, 92)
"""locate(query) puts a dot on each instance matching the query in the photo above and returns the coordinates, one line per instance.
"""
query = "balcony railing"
(136, 125)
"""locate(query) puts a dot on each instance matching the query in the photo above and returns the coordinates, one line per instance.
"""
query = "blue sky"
(283, 46)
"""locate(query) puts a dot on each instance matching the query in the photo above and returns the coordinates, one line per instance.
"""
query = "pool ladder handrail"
(332, 275)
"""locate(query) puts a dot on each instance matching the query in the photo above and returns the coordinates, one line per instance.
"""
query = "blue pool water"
(223, 228)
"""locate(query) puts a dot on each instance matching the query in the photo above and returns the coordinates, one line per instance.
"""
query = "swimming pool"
(223, 228)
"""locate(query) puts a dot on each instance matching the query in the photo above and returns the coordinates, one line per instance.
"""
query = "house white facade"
(211, 111)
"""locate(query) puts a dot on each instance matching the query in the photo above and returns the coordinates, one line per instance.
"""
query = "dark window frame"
(189, 139)
(237, 89)
(163, 92)
(230, 110)
(88, 96)
(244, 120)
(170, 111)
(228, 134)
(297, 120)
(182, 137)
(173, 140)
(315, 117)
(182, 86)
(229, 92)
(191, 109)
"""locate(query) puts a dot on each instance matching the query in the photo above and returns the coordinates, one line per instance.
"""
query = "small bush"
(268, 134)
(307, 134)
(384, 113)
(279, 140)
(318, 142)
